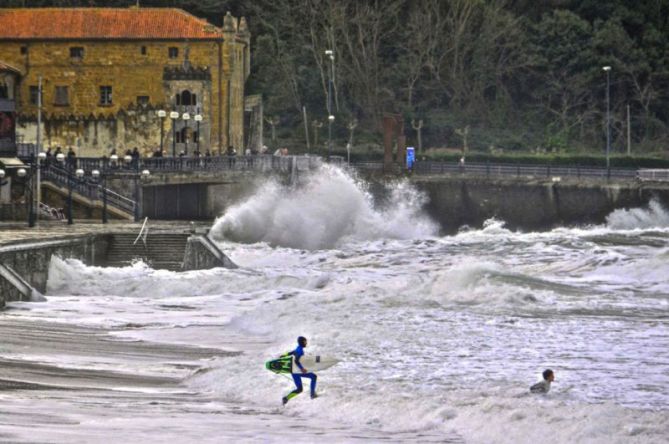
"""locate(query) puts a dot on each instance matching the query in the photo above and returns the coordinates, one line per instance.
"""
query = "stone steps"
(161, 251)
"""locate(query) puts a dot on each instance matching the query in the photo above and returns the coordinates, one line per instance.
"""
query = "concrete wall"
(530, 204)
(31, 260)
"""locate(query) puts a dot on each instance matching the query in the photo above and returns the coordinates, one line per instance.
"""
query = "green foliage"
(557, 160)
(522, 75)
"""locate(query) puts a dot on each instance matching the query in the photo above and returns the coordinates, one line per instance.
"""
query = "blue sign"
(411, 157)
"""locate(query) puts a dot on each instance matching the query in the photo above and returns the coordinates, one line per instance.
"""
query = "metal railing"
(655, 175)
(87, 187)
(256, 163)
(509, 170)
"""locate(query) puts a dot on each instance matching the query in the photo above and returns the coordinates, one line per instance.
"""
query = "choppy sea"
(438, 337)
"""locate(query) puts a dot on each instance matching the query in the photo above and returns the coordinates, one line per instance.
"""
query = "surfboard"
(314, 363)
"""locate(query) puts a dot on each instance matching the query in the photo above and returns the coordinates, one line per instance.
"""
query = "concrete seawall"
(24, 264)
(30, 260)
(531, 204)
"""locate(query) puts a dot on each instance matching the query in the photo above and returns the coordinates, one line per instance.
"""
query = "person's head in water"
(302, 341)
(548, 375)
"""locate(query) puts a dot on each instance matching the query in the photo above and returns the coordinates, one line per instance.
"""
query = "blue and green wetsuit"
(297, 377)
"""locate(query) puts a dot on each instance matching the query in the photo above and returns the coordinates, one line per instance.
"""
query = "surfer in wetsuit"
(304, 373)
(545, 385)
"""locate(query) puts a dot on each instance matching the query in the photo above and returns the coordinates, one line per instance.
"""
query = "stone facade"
(103, 92)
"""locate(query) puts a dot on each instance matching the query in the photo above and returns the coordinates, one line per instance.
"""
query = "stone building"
(106, 72)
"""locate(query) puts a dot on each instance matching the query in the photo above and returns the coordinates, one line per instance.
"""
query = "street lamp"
(137, 176)
(97, 176)
(331, 117)
(186, 118)
(38, 193)
(21, 172)
(608, 120)
(79, 174)
(198, 119)
(174, 116)
(162, 114)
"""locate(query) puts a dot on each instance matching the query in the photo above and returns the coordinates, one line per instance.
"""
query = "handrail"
(510, 170)
(141, 231)
(89, 189)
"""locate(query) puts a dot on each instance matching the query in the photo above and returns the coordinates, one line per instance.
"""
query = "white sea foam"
(655, 216)
(328, 209)
(452, 329)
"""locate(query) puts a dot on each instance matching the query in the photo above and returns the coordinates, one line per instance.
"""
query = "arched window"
(186, 98)
(182, 136)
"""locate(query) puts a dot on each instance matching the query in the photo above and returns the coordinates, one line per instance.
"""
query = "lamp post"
(608, 120)
(162, 114)
(331, 117)
(198, 119)
(38, 192)
(186, 118)
(137, 176)
(97, 175)
(31, 207)
(174, 116)
(79, 175)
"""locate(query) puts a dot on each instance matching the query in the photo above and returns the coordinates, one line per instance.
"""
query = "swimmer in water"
(545, 385)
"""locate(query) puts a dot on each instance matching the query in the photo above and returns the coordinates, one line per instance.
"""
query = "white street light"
(186, 116)
(95, 174)
(2, 174)
(21, 172)
(162, 113)
(60, 157)
(79, 173)
(607, 69)
(198, 118)
(41, 156)
(127, 158)
(145, 174)
(174, 115)
(113, 159)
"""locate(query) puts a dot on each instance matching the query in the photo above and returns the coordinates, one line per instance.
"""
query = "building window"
(24, 50)
(173, 52)
(34, 91)
(142, 100)
(105, 95)
(186, 98)
(77, 52)
(4, 91)
(143, 50)
(62, 97)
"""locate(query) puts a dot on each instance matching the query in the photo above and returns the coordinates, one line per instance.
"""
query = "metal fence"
(656, 175)
(509, 170)
(87, 187)
(258, 163)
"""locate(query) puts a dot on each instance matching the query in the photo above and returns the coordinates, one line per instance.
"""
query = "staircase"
(161, 251)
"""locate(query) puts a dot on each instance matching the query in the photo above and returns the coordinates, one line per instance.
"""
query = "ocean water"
(438, 337)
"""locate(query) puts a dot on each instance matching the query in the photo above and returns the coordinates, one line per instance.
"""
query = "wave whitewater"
(330, 208)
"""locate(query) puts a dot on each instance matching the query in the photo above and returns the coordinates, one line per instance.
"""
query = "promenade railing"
(87, 187)
(509, 170)
(258, 163)
(654, 175)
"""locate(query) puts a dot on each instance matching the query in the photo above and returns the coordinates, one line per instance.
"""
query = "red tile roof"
(103, 23)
